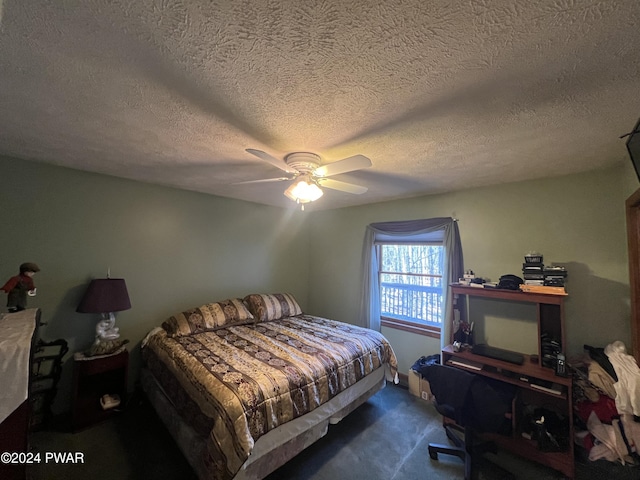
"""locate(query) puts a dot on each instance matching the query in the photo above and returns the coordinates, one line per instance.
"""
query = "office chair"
(476, 404)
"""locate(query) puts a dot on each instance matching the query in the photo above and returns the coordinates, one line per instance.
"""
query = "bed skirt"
(277, 446)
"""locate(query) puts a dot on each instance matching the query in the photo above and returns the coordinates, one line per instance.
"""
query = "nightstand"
(94, 377)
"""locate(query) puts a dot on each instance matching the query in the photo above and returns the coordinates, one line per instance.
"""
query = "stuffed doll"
(20, 286)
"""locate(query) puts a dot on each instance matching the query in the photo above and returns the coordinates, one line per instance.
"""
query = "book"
(533, 266)
(533, 276)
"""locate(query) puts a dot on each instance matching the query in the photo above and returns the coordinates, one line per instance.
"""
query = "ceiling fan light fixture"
(309, 175)
(304, 190)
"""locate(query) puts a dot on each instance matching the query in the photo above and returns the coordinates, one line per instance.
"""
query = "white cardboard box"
(418, 386)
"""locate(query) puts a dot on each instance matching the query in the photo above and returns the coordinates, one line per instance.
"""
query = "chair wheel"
(433, 454)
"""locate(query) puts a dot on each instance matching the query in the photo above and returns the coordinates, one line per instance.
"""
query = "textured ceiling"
(440, 95)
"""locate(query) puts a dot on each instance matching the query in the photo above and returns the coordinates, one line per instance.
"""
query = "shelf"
(513, 295)
(511, 372)
(561, 461)
(549, 310)
(550, 321)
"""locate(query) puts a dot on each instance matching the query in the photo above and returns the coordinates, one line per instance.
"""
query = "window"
(411, 286)
(430, 232)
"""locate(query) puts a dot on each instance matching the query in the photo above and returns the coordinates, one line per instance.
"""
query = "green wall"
(178, 249)
(577, 221)
(175, 249)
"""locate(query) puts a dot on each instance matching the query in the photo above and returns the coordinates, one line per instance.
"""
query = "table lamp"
(105, 296)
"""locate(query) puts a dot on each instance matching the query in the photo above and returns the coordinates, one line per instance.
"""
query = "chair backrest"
(451, 387)
(470, 399)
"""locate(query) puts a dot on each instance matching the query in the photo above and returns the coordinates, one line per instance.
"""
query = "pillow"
(208, 317)
(273, 306)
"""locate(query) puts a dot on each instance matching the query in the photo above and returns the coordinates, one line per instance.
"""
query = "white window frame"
(430, 329)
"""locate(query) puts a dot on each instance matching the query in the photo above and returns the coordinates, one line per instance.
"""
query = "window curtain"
(453, 265)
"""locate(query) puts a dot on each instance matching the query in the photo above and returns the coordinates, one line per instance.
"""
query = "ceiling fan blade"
(272, 160)
(342, 186)
(264, 180)
(345, 165)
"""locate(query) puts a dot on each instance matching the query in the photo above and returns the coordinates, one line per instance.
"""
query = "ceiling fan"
(309, 175)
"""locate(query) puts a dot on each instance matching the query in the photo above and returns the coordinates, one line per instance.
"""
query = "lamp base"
(108, 347)
(106, 328)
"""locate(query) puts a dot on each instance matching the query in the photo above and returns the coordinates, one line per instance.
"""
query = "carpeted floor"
(384, 439)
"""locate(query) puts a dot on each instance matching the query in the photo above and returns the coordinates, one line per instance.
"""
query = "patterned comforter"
(234, 384)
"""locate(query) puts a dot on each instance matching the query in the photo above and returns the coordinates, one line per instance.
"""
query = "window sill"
(412, 327)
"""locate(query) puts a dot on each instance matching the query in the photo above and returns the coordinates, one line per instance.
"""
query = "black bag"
(510, 282)
(425, 362)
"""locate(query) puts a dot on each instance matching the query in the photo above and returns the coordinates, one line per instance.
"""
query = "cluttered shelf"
(529, 375)
(541, 384)
(503, 294)
(560, 461)
(536, 385)
(536, 278)
(549, 316)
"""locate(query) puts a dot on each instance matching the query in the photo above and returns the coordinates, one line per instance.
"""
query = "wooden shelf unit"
(550, 318)
(550, 309)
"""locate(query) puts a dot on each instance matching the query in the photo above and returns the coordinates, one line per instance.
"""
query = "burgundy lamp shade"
(105, 295)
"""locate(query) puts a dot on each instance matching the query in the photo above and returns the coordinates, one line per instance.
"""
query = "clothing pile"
(607, 402)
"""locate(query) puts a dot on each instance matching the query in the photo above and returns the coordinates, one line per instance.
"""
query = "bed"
(244, 385)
